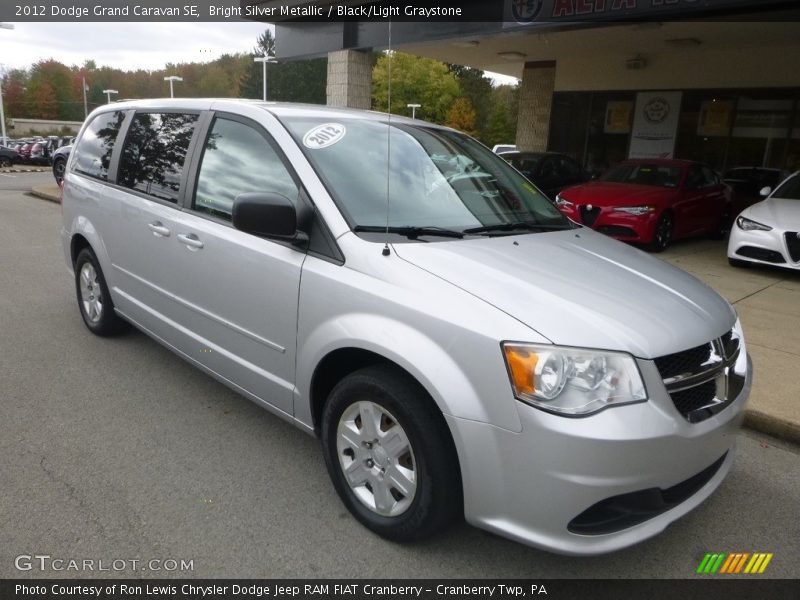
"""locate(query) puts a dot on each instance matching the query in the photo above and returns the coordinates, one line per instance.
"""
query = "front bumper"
(618, 225)
(529, 486)
(762, 247)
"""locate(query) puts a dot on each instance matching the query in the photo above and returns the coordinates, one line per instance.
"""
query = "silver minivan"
(461, 349)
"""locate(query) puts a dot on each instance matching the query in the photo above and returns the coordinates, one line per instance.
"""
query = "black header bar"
(521, 12)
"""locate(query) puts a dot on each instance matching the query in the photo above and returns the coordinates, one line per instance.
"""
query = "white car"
(498, 148)
(769, 232)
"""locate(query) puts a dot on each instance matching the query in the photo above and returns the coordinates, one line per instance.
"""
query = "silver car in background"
(460, 348)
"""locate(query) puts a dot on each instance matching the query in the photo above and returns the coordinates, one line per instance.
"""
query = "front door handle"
(158, 229)
(190, 240)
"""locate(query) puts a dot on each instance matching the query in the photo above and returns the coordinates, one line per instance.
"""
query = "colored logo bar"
(734, 563)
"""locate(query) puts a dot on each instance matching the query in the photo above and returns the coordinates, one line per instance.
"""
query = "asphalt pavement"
(116, 449)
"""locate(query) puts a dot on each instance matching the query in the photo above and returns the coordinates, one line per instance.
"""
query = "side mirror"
(267, 214)
(765, 191)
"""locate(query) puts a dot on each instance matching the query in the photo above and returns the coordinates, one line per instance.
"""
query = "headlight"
(572, 381)
(563, 201)
(749, 225)
(635, 210)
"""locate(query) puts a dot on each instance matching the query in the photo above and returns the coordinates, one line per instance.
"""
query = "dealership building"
(602, 80)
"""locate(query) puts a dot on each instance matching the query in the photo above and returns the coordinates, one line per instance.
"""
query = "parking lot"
(118, 449)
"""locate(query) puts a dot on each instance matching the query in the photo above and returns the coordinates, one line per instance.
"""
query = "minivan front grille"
(793, 245)
(688, 361)
(701, 381)
(689, 400)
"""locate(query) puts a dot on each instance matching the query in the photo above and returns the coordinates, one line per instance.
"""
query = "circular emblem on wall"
(525, 11)
(656, 110)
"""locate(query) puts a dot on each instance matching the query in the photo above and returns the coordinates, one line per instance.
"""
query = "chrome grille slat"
(700, 380)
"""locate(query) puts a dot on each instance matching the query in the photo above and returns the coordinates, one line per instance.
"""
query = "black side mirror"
(268, 215)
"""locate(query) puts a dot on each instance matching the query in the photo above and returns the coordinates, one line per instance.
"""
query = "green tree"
(501, 126)
(295, 81)
(415, 80)
(59, 78)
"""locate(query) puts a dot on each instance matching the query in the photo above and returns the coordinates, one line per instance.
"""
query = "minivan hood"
(580, 288)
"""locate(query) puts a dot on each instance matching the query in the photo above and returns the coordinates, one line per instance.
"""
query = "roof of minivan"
(279, 109)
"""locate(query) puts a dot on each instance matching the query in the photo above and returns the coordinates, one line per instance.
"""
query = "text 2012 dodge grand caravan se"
(460, 349)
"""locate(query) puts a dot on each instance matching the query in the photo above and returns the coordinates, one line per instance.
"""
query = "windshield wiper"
(515, 225)
(410, 231)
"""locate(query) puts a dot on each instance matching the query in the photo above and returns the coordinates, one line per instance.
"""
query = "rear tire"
(5, 161)
(390, 455)
(94, 301)
(59, 167)
(663, 233)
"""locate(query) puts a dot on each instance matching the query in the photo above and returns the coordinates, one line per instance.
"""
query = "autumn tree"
(42, 100)
(415, 80)
(461, 116)
(477, 88)
(14, 84)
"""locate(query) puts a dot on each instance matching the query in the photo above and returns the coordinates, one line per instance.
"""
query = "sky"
(126, 46)
(129, 46)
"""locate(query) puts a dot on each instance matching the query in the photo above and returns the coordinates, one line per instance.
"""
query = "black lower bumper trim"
(626, 510)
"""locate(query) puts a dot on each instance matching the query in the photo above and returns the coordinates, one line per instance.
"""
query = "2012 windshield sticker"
(323, 136)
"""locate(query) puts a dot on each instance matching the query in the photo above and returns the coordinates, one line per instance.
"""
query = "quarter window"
(154, 153)
(709, 177)
(93, 152)
(238, 159)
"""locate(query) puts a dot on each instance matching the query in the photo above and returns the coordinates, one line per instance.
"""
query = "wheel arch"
(78, 243)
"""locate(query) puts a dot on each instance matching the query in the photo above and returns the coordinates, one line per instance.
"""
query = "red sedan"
(651, 202)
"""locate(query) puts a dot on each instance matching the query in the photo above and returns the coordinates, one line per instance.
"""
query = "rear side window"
(155, 152)
(709, 177)
(238, 159)
(93, 152)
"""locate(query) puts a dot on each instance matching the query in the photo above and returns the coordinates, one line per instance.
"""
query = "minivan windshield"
(437, 180)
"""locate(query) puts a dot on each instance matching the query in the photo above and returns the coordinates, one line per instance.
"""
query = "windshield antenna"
(386, 251)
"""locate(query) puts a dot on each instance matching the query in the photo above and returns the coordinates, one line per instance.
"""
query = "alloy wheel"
(91, 296)
(663, 233)
(376, 458)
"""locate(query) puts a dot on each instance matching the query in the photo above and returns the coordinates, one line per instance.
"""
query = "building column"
(535, 101)
(349, 79)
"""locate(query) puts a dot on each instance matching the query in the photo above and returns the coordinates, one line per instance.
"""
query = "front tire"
(663, 233)
(742, 264)
(94, 301)
(390, 455)
(5, 161)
